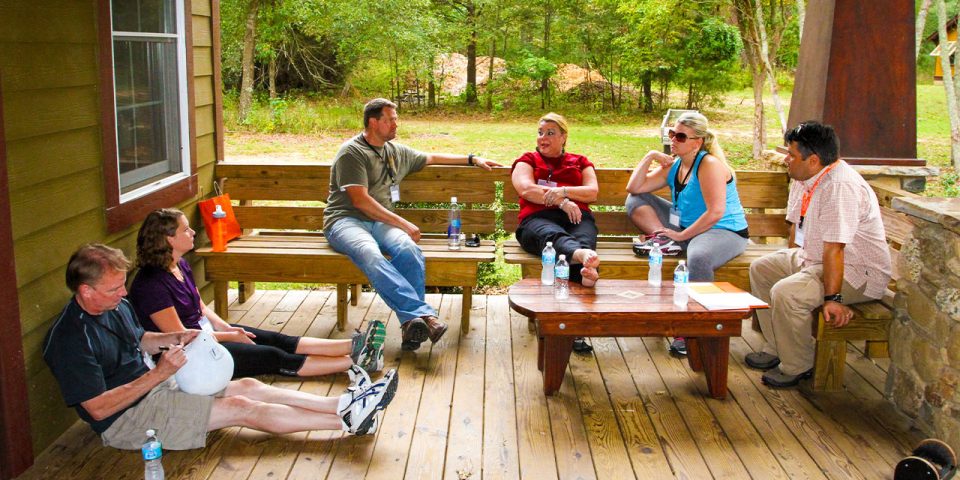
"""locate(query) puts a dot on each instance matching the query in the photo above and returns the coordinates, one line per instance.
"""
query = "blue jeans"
(399, 280)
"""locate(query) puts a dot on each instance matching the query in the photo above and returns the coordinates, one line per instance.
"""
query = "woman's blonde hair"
(700, 126)
(559, 120)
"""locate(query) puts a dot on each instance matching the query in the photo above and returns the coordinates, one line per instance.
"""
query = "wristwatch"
(836, 297)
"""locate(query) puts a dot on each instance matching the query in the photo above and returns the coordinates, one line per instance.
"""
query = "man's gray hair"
(374, 109)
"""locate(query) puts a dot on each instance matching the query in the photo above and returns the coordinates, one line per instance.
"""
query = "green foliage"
(534, 68)
(710, 59)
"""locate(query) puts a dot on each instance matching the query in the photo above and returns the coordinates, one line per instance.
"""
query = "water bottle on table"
(654, 276)
(548, 260)
(152, 456)
(681, 279)
(453, 231)
(561, 286)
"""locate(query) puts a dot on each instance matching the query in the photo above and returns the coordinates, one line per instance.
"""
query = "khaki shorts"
(180, 420)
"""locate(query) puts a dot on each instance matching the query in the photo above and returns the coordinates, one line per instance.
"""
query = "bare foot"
(590, 276)
(586, 257)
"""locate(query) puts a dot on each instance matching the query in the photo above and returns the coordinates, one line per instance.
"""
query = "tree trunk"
(760, 24)
(493, 53)
(545, 83)
(922, 23)
(431, 94)
(647, 85)
(801, 17)
(246, 77)
(472, 54)
(949, 85)
(751, 41)
(272, 77)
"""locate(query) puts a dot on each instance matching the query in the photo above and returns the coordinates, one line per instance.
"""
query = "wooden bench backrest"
(289, 196)
(760, 192)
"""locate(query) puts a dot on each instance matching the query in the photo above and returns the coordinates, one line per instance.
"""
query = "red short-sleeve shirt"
(566, 171)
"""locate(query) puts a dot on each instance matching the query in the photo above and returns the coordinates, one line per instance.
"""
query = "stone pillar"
(925, 335)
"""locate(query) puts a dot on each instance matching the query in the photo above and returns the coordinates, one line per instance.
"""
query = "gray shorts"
(180, 420)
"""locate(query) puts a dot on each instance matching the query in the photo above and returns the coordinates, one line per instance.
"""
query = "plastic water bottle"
(548, 259)
(152, 457)
(453, 231)
(654, 276)
(216, 236)
(681, 277)
(561, 287)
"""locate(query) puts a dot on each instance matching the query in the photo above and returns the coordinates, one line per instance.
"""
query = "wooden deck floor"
(473, 407)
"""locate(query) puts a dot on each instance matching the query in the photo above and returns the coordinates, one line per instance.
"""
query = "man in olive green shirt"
(360, 222)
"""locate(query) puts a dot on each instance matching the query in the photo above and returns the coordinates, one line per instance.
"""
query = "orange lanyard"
(808, 194)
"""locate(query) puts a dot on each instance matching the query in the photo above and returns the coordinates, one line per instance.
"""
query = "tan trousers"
(793, 293)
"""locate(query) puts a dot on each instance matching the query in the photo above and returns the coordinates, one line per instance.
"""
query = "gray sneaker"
(761, 360)
(367, 351)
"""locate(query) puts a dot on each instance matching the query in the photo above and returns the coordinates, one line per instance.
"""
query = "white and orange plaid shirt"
(844, 210)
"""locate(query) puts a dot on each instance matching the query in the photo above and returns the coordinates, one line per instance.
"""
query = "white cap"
(683, 262)
(151, 433)
(453, 199)
(563, 257)
(549, 244)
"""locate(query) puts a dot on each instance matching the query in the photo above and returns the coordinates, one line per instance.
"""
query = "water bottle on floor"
(561, 286)
(152, 456)
(654, 276)
(548, 260)
(681, 279)
(453, 231)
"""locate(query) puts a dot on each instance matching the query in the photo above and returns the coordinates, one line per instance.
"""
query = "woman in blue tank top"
(704, 215)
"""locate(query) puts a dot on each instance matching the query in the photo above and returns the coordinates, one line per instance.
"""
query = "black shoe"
(776, 378)
(761, 360)
(415, 331)
(580, 345)
(678, 346)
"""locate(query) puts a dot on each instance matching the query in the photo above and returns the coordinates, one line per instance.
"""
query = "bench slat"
(617, 223)
(311, 218)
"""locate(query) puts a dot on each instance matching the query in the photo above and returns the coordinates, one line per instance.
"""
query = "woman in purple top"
(166, 299)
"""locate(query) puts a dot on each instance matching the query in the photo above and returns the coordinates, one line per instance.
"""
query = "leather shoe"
(435, 327)
(775, 378)
(415, 332)
(580, 345)
(761, 360)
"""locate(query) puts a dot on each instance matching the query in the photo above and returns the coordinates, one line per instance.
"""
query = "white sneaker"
(359, 379)
(358, 407)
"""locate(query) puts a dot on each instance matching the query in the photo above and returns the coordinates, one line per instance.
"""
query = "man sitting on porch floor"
(96, 350)
(360, 222)
(840, 255)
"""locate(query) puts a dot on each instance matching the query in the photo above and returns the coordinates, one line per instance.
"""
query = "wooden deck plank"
(712, 441)
(316, 457)
(464, 454)
(628, 411)
(499, 414)
(640, 437)
(678, 444)
(860, 460)
(429, 444)
(354, 454)
(607, 446)
(534, 441)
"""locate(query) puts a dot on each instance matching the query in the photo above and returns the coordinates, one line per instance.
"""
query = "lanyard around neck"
(677, 182)
(808, 194)
(386, 162)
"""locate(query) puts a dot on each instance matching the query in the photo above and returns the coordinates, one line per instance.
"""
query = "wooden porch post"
(16, 445)
(857, 72)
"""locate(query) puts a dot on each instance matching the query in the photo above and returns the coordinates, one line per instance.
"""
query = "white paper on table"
(712, 299)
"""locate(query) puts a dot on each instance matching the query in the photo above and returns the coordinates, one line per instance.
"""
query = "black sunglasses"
(680, 137)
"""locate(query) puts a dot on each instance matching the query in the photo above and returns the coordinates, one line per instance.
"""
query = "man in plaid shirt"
(838, 255)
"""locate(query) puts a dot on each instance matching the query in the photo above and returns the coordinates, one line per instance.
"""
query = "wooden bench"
(281, 212)
(764, 197)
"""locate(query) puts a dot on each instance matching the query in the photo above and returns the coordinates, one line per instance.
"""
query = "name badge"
(394, 193)
(545, 183)
(798, 236)
(674, 217)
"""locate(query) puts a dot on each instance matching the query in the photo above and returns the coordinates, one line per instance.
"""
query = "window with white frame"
(150, 94)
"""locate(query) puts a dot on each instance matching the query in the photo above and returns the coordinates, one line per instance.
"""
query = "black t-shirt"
(91, 354)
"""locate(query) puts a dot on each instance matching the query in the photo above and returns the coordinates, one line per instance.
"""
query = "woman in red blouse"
(555, 189)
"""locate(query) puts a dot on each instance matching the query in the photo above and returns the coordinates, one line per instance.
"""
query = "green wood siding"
(49, 60)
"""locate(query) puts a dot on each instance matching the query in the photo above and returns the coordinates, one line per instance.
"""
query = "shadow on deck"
(472, 406)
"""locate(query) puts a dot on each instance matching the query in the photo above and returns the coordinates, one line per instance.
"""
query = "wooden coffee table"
(626, 308)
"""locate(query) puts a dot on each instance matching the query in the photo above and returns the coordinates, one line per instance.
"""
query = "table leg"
(556, 355)
(540, 352)
(694, 355)
(715, 353)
